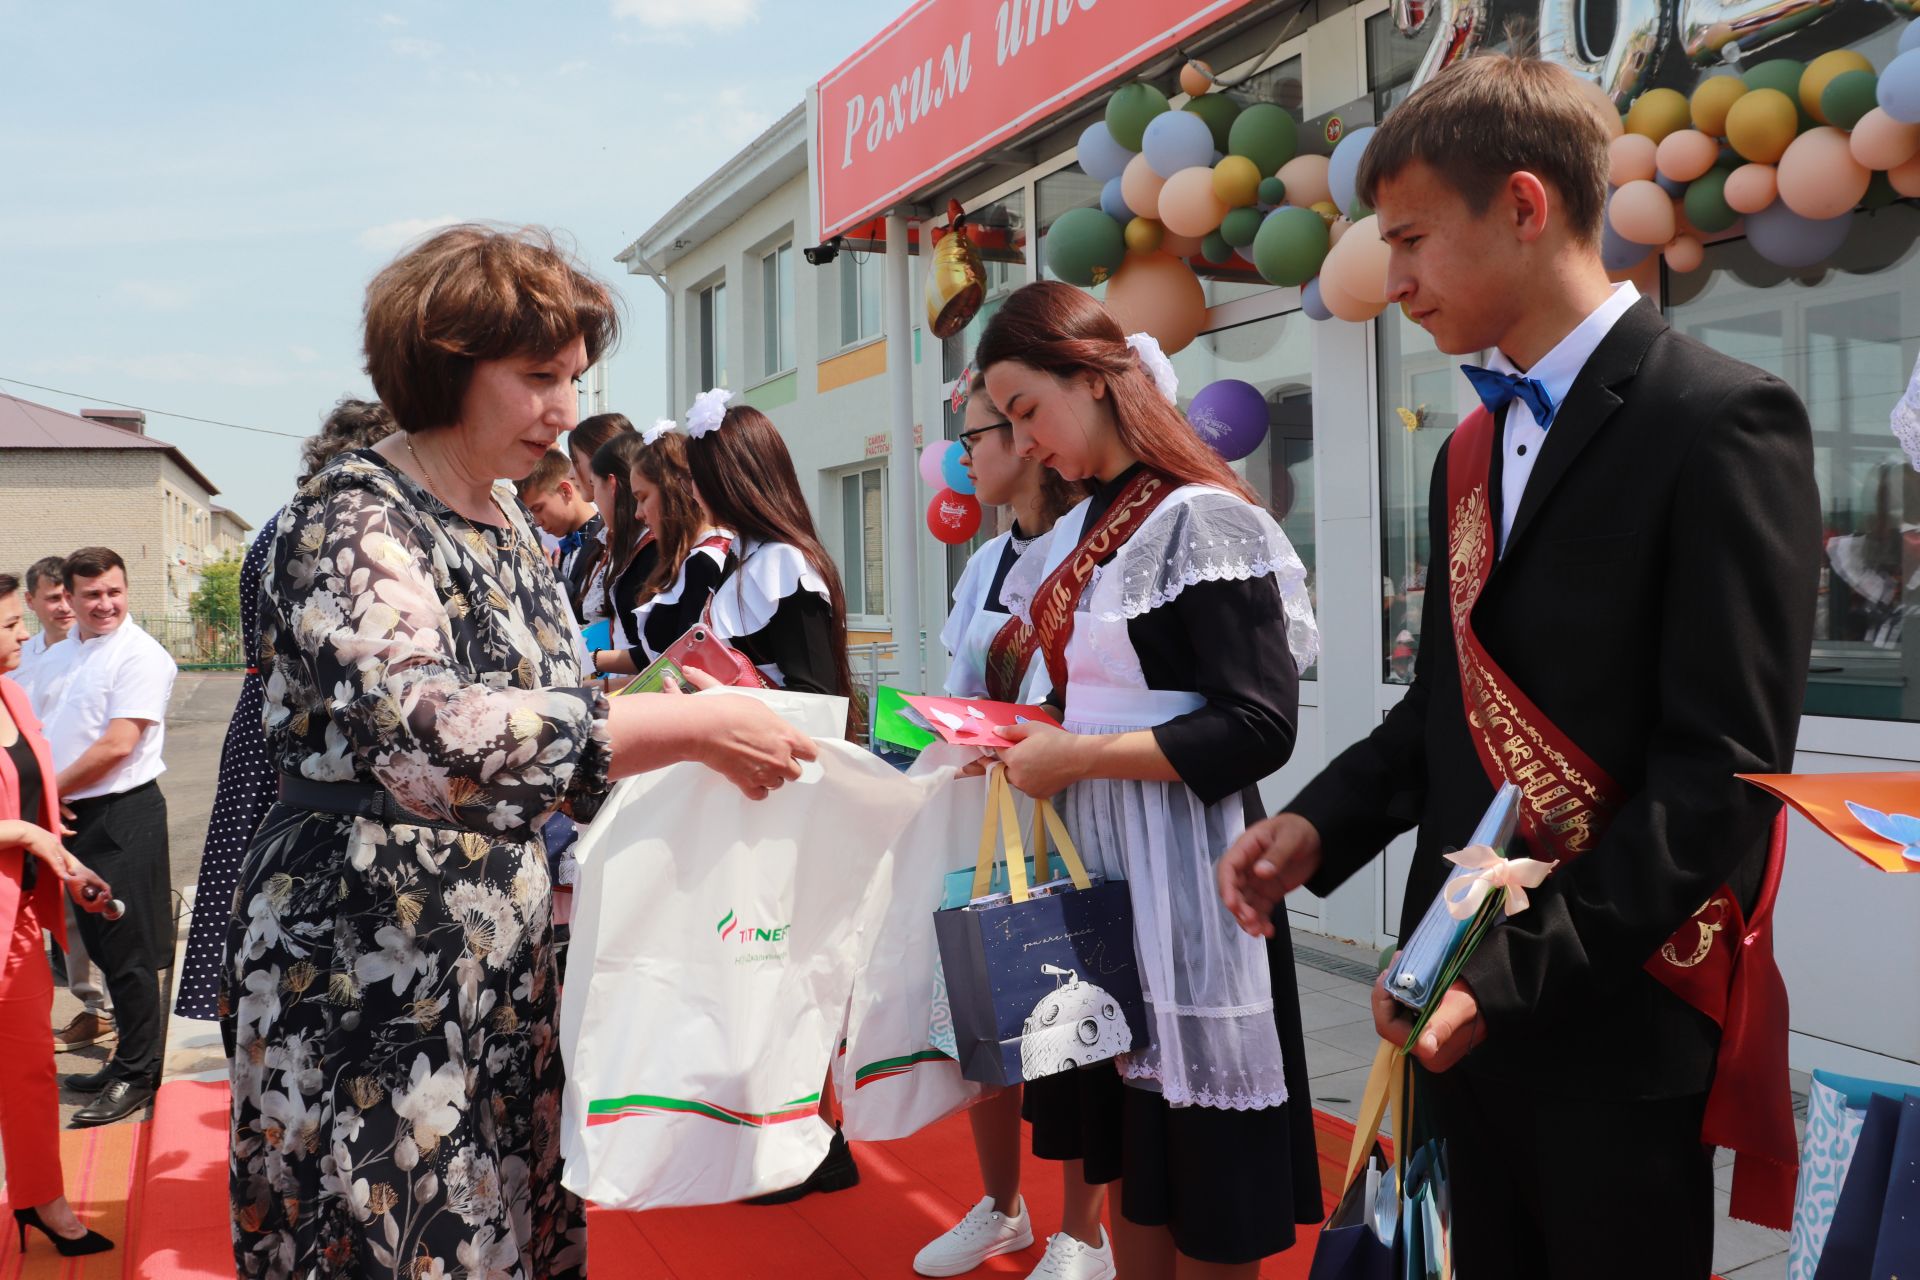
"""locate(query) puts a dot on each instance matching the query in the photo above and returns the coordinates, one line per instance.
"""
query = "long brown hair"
(664, 464)
(746, 479)
(1060, 330)
(614, 461)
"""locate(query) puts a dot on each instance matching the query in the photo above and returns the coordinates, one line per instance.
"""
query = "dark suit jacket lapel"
(1590, 402)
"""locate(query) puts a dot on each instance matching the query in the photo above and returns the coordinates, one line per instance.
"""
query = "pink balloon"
(930, 459)
(1906, 178)
(1357, 266)
(1685, 154)
(1879, 141)
(1179, 246)
(1339, 228)
(1819, 178)
(1188, 206)
(1752, 187)
(1306, 180)
(1642, 212)
(1686, 254)
(1160, 295)
(1603, 106)
(1345, 305)
(1631, 157)
(1140, 186)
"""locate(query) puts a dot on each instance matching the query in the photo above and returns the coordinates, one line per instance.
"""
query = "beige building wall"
(53, 501)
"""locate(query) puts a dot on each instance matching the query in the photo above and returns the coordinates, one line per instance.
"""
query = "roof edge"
(783, 138)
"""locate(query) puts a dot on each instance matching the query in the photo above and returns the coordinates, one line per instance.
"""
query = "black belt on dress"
(354, 800)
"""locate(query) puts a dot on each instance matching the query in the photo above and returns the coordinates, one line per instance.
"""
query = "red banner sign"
(951, 78)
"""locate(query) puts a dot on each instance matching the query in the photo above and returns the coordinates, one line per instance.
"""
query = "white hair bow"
(1494, 874)
(660, 427)
(709, 408)
(1159, 368)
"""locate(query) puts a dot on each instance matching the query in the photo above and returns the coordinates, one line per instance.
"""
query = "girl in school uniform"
(1172, 616)
(631, 550)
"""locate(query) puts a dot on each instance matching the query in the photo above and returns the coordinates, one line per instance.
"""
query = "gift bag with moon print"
(1041, 978)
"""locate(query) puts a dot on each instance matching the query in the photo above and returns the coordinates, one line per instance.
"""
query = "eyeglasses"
(966, 437)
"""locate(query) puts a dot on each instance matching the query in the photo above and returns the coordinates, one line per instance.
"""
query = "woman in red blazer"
(33, 868)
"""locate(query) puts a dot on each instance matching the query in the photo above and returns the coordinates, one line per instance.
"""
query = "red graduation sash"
(1718, 961)
(1053, 604)
(1007, 658)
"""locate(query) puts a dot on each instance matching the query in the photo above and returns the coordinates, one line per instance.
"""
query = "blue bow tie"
(1497, 390)
(571, 542)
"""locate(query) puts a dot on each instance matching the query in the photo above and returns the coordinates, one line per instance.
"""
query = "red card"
(974, 722)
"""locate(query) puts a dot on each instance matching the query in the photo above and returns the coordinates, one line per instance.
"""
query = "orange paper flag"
(1877, 815)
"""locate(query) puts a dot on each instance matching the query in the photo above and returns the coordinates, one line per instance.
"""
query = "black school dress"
(773, 607)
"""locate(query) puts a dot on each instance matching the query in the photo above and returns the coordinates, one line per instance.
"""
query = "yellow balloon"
(1761, 126)
(1712, 100)
(1657, 113)
(1144, 235)
(1329, 212)
(1236, 181)
(1820, 73)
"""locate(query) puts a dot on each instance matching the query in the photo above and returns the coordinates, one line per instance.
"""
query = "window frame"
(778, 331)
(852, 569)
(710, 320)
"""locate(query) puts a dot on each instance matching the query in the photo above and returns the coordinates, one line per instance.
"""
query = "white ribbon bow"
(1159, 368)
(709, 410)
(1465, 894)
(660, 427)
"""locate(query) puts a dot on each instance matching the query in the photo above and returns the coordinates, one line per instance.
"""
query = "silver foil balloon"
(1712, 31)
(1624, 65)
(1410, 16)
(1461, 28)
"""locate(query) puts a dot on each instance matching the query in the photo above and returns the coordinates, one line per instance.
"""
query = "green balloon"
(1880, 192)
(1219, 111)
(1131, 108)
(1264, 134)
(1782, 74)
(1358, 211)
(1085, 246)
(1290, 247)
(1241, 226)
(1273, 192)
(1848, 96)
(1216, 250)
(1706, 202)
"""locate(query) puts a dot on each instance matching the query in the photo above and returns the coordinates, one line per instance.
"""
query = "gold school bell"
(956, 281)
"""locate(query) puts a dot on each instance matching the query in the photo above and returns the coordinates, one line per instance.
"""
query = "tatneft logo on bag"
(771, 940)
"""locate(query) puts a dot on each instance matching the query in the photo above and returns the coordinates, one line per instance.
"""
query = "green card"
(654, 678)
(896, 723)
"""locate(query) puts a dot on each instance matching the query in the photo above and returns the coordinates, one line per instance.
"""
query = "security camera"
(821, 254)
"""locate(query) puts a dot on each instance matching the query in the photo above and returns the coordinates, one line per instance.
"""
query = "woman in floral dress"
(397, 1074)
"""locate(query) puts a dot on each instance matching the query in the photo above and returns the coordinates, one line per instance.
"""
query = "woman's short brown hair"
(473, 293)
(1491, 116)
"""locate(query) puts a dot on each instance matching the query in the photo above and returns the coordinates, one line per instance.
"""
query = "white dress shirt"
(1556, 372)
(30, 655)
(84, 684)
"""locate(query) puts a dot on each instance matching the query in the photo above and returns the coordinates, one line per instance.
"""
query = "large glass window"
(776, 310)
(713, 336)
(860, 277)
(1275, 355)
(1846, 339)
(1393, 58)
(863, 540)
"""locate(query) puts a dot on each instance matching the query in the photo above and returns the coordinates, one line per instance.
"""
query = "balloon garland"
(1784, 152)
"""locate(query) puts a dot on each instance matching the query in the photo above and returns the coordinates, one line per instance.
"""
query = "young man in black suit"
(1619, 618)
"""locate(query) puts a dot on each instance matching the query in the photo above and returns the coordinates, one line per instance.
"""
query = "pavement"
(1335, 979)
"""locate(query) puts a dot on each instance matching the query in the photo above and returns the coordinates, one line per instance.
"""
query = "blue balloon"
(1177, 140)
(1672, 186)
(1900, 87)
(1910, 36)
(1113, 204)
(1312, 303)
(1344, 166)
(1101, 158)
(1786, 239)
(953, 469)
(1617, 253)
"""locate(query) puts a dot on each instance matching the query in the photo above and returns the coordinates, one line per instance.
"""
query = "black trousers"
(123, 839)
(1547, 1187)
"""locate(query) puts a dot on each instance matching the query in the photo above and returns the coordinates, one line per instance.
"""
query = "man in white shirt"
(103, 703)
(47, 597)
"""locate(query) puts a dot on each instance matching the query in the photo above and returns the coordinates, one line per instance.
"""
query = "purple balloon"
(1114, 204)
(1786, 239)
(1101, 158)
(1617, 253)
(1312, 303)
(1231, 416)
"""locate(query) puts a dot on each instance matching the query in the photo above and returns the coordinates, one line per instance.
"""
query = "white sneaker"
(984, 1233)
(1070, 1259)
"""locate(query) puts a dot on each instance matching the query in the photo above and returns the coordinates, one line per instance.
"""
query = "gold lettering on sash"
(1708, 928)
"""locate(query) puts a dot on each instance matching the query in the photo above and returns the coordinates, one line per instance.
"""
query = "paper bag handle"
(1001, 828)
(1046, 820)
(1386, 1085)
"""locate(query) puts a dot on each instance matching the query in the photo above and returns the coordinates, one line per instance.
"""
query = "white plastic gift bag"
(713, 951)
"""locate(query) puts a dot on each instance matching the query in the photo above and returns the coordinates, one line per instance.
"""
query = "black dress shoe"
(117, 1101)
(87, 1081)
(837, 1172)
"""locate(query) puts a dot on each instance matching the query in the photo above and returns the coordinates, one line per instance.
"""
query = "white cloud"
(719, 15)
(154, 295)
(415, 47)
(391, 20)
(389, 236)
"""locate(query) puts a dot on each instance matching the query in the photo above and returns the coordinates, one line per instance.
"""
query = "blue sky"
(196, 194)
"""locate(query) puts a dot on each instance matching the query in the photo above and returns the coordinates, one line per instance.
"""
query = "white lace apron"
(971, 627)
(1207, 985)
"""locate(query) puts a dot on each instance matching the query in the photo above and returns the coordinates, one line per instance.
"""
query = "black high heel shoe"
(92, 1242)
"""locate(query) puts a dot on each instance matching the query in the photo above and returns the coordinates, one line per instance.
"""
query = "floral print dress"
(392, 986)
